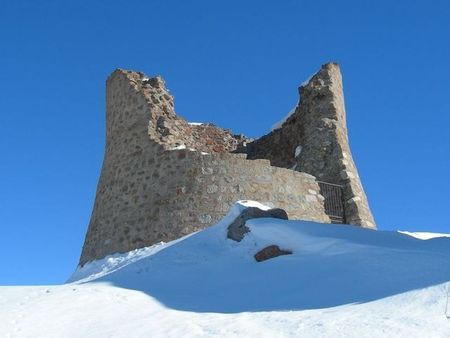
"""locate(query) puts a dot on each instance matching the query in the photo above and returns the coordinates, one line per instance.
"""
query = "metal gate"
(334, 206)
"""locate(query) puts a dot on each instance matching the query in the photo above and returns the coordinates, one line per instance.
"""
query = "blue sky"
(234, 63)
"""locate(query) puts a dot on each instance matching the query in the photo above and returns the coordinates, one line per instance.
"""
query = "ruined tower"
(163, 177)
(314, 140)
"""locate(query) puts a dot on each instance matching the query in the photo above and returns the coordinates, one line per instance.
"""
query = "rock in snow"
(237, 229)
(269, 252)
(339, 281)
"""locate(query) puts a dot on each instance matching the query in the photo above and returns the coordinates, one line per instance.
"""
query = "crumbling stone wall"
(151, 189)
(314, 140)
(137, 101)
(163, 178)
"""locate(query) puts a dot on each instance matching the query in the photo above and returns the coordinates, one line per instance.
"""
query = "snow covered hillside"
(339, 281)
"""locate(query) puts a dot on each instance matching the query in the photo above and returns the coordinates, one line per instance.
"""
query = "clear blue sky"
(235, 63)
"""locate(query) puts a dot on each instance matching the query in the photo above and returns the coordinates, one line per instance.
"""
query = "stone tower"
(316, 133)
(163, 178)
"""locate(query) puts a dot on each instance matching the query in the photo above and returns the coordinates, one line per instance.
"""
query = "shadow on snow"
(338, 265)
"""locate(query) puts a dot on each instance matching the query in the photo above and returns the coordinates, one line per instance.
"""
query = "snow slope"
(340, 281)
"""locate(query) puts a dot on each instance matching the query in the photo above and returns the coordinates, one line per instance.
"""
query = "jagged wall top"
(171, 130)
(314, 140)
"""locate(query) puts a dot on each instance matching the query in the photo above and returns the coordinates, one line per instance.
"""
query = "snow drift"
(331, 265)
(340, 280)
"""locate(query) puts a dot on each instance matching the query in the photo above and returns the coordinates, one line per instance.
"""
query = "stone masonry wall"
(314, 140)
(152, 190)
(134, 98)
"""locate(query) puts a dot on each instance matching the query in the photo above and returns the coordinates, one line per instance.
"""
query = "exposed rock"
(269, 252)
(237, 229)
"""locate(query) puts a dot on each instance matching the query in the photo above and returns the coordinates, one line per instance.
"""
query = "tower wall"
(314, 140)
(152, 190)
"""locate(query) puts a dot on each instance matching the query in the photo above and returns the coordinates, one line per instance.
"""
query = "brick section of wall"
(314, 140)
(149, 192)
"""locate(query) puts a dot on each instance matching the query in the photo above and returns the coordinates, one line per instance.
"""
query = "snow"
(306, 82)
(298, 150)
(340, 281)
(108, 264)
(424, 235)
(196, 123)
(280, 123)
(292, 111)
(183, 146)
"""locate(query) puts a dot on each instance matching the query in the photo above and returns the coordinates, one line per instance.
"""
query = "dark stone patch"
(237, 229)
(269, 252)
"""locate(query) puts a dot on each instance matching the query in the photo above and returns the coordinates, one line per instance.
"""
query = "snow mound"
(102, 267)
(331, 265)
(340, 280)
